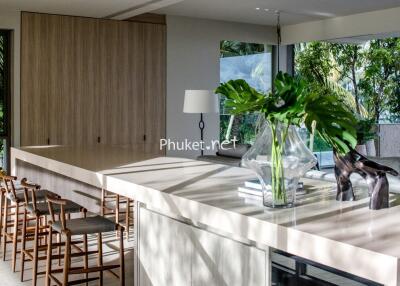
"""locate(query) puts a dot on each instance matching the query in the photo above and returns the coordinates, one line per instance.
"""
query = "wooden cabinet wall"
(85, 79)
(154, 100)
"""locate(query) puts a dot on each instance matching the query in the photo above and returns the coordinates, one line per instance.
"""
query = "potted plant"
(292, 103)
(366, 134)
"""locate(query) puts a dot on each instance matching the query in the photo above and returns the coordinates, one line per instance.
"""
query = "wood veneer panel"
(55, 55)
(62, 92)
(84, 78)
(73, 98)
(155, 87)
(34, 92)
(150, 18)
(121, 80)
(87, 95)
(59, 75)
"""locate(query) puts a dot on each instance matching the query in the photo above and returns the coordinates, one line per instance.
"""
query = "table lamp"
(201, 101)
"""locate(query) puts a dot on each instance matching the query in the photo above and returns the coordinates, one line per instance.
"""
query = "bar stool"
(111, 206)
(80, 226)
(14, 200)
(3, 193)
(38, 212)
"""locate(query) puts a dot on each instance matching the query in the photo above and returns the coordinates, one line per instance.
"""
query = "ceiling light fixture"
(258, 8)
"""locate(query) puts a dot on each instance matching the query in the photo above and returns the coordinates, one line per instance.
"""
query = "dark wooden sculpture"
(372, 172)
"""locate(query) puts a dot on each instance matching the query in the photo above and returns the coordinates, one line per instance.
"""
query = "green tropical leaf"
(294, 103)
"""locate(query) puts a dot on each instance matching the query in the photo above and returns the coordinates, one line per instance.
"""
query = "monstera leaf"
(286, 103)
(293, 102)
(240, 97)
(334, 122)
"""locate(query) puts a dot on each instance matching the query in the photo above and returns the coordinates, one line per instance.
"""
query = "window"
(363, 73)
(4, 96)
(253, 63)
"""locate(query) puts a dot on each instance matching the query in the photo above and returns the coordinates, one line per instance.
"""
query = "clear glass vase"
(279, 158)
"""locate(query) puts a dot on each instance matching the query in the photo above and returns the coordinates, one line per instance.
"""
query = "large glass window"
(365, 74)
(253, 63)
(4, 95)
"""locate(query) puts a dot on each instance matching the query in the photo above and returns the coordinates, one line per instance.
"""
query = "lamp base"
(201, 126)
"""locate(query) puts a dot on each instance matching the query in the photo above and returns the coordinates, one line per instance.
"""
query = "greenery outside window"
(253, 63)
(364, 73)
(4, 96)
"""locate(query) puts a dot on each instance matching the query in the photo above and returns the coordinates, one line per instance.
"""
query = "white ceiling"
(87, 8)
(293, 11)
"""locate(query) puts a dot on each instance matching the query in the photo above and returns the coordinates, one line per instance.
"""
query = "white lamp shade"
(200, 101)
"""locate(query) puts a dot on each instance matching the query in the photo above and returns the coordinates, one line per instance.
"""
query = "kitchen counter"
(343, 235)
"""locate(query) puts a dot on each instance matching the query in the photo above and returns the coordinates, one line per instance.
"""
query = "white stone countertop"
(343, 235)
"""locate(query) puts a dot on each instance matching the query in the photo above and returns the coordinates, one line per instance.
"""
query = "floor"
(110, 255)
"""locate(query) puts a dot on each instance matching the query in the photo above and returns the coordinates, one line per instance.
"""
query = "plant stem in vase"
(277, 173)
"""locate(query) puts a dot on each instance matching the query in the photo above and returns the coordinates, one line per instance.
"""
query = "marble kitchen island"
(193, 228)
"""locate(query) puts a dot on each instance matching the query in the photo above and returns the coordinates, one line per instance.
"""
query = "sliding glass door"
(4, 97)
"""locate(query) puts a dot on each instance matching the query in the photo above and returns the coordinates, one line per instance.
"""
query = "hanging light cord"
(279, 36)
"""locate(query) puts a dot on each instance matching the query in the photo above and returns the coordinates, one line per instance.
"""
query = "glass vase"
(279, 158)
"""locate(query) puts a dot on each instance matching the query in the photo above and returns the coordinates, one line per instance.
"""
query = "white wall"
(193, 63)
(371, 23)
(11, 21)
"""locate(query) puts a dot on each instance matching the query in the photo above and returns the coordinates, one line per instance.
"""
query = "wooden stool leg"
(85, 249)
(121, 257)
(1, 213)
(15, 237)
(67, 260)
(35, 252)
(40, 243)
(5, 228)
(59, 246)
(85, 258)
(46, 223)
(23, 246)
(103, 201)
(117, 210)
(127, 218)
(100, 257)
(49, 254)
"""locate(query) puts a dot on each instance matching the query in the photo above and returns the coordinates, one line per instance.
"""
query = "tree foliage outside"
(3, 78)
(368, 74)
(236, 48)
(366, 77)
(3, 86)
(244, 127)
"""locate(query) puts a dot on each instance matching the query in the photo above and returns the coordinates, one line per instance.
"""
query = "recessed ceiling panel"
(262, 11)
(245, 11)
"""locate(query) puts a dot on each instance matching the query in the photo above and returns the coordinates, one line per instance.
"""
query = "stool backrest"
(51, 201)
(8, 184)
(31, 189)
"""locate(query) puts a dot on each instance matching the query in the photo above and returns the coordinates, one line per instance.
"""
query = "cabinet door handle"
(98, 139)
(48, 141)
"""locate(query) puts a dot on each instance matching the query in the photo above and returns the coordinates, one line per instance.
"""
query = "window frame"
(6, 134)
